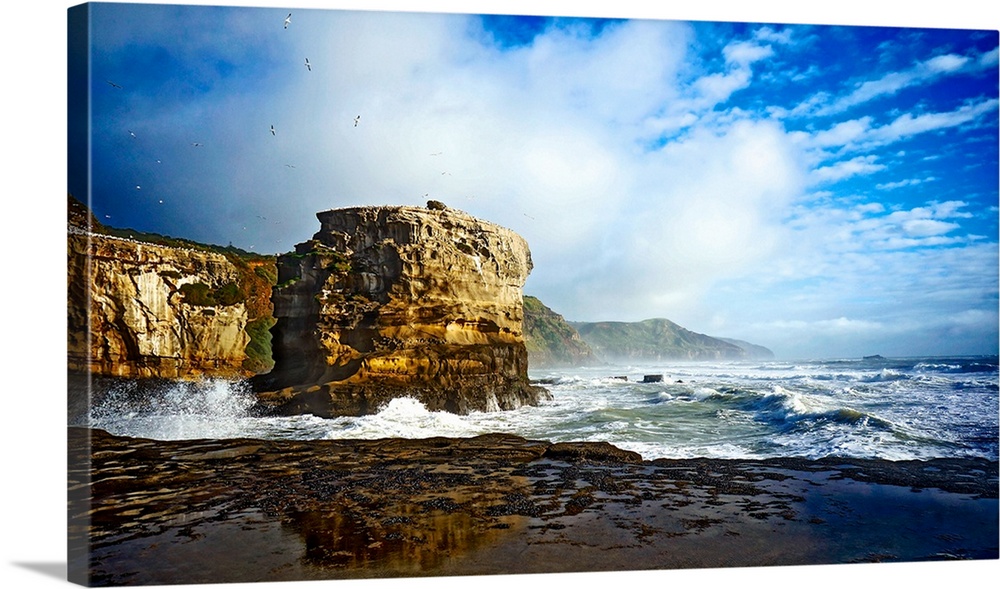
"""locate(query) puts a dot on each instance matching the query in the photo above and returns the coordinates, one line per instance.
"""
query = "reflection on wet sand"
(413, 542)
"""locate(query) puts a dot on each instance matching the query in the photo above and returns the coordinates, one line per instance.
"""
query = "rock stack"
(395, 301)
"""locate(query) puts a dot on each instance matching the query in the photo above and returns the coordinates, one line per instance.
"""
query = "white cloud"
(945, 63)
(856, 135)
(893, 82)
(927, 227)
(715, 88)
(842, 134)
(744, 53)
(783, 37)
(907, 125)
(990, 58)
(703, 208)
(949, 210)
(904, 183)
(858, 166)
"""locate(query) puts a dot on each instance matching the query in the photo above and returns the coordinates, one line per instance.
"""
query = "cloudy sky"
(821, 190)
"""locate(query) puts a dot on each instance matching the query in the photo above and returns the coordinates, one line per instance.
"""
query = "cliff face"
(386, 302)
(142, 310)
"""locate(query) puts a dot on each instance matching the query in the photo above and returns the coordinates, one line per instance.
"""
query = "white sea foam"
(892, 409)
(403, 418)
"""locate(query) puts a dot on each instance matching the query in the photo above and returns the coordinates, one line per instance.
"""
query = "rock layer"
(396, 301)
(148, 311)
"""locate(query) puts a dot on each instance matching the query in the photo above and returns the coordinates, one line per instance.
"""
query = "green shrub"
(200, 294)
(258, 350)
(229, 294)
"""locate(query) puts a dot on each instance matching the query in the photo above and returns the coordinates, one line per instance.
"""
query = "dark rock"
(591, 451)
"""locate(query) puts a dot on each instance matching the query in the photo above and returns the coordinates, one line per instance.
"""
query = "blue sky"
(820, 190)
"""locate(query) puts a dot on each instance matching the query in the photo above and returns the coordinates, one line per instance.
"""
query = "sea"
(881, 408)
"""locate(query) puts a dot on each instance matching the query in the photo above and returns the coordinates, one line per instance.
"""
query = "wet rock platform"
(146, 512)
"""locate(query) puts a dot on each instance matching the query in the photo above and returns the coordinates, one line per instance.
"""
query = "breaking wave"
(936, 407)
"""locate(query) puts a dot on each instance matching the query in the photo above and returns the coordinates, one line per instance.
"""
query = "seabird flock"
(308, 65)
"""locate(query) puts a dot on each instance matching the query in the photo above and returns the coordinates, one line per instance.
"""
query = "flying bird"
(288, 19)
(114, 85)
(308, 66)
(356, 119)
(196, 144)
(272, 129)
(131, 133)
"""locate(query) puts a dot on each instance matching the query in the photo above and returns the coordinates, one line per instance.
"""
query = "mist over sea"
(894, 409)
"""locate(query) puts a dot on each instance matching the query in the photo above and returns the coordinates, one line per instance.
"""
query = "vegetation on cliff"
(257, 274)
(550, 340)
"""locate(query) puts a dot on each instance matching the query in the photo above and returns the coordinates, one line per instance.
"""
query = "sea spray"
(210, 408)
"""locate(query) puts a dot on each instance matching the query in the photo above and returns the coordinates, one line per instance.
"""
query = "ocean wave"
(885, 375)
(791, 409)
(958, 366)
(403, 417)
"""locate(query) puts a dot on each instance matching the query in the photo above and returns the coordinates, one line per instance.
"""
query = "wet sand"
(254, 510)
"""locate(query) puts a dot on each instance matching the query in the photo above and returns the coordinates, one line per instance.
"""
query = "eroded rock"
(149, 311)
(395, 301)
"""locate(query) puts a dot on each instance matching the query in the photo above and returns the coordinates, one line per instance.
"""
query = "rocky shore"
(243, 510)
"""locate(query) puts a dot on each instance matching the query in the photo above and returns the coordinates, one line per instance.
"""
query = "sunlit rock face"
(149, 311)
(396, 301)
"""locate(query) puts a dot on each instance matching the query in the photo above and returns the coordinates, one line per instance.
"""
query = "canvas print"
(364, 294)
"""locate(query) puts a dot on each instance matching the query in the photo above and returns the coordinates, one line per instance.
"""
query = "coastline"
(263, 510)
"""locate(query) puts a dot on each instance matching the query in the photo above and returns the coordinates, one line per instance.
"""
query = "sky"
(822, 190)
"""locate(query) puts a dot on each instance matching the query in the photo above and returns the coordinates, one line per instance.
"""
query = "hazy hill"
(658, 339)
(753, 351)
